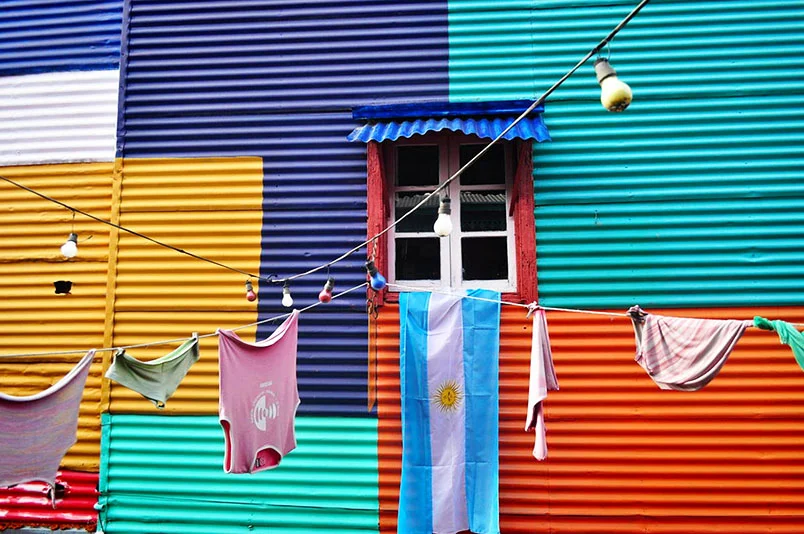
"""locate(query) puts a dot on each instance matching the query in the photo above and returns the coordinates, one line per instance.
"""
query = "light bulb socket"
(445, 207)
(330, 284)
(249, 286)
(371, 268)
(603, 69)
(73, 237)
(286, 289)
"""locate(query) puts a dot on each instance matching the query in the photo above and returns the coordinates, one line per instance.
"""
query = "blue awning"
(483, 119)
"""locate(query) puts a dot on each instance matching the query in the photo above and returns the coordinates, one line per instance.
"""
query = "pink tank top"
(258, 398)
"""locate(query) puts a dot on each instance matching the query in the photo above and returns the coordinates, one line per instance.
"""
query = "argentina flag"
(449, 359)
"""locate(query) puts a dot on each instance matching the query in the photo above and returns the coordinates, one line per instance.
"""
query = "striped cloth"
(36, 431)
(684, 354)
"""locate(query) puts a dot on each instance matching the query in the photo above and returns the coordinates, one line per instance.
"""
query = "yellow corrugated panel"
(211, 207)
(33, 228)
(35, 319)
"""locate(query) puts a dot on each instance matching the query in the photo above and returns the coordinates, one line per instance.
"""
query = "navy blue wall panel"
(55, 35)
(278, 79)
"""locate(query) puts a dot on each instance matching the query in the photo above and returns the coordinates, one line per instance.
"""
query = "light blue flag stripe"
(415, 491)
(481, 354)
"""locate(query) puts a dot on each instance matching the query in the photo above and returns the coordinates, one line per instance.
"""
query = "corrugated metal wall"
(35, 318)
(689, 198)
(58, 36)
(278, 80)
(625, 456)
(58, 108)
(29, 504)
(165, 474)
(207, 206)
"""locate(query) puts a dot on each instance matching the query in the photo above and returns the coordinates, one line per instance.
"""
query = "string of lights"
(615, 96)
(182, 339)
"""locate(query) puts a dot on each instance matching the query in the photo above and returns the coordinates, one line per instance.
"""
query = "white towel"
(542, 379)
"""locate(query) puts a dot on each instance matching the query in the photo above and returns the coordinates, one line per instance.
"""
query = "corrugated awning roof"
(483, 119)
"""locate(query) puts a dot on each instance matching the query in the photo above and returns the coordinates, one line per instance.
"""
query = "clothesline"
(178, 340)
(311, 306)
(526, 306)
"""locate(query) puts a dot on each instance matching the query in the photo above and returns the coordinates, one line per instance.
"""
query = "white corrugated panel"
(58, 117)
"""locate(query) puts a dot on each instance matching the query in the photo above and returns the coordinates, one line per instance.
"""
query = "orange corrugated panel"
(35, 319)
(624, 455)
(162, 294)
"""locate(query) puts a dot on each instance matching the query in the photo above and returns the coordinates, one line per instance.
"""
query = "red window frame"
(522, 210)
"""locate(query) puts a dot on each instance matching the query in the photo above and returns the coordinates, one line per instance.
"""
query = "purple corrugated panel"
(59, 36)
(278, 79)
(235, 57)
(528, 128)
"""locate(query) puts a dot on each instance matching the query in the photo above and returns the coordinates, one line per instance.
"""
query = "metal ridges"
(624, 455)
(165, 474)
(55, 36)
(689, 197)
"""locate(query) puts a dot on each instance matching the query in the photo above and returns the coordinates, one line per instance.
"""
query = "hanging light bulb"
(326, 293)
(287, 300)
(251, 296)
(443, 224)
(377, 280)
(615, 95)
(70, 247)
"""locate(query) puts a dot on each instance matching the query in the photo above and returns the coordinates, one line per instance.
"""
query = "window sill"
(392, 297)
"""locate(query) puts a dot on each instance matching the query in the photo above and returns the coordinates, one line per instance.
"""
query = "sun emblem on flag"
(448, 396)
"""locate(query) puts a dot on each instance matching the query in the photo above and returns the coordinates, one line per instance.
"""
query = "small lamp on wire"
(615, 95)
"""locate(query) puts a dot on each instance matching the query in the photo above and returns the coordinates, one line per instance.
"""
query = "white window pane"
(418, 258)
(483, 211)
(420, 220)
(417, 165)
(488, 170)
(485, 258)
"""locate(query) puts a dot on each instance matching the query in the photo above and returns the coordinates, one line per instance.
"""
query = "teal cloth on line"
(788, 334)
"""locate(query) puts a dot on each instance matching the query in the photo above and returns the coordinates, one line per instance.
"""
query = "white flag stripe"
(445, 384)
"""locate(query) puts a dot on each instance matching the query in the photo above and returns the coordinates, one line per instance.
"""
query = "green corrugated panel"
(692, 197)
(165, 474)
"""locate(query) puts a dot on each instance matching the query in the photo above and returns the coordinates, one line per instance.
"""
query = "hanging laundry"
(37, 431)
(258, 398)
(542, 379)
(683, 354)
(788, 334)
(448, 361)
(158, 379)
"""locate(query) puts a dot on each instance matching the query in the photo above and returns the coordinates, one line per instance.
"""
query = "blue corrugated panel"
(528, 128)
(53, 35)
(691, 197)
(165, 475)
(278, 79)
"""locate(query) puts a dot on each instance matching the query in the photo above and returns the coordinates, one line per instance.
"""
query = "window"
(480, 250)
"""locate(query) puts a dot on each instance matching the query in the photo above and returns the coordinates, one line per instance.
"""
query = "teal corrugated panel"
(165, 475)
(694, 195)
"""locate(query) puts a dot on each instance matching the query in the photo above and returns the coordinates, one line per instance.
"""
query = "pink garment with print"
(258, 398)
(542, 379)
(684, 354)
(36, 431)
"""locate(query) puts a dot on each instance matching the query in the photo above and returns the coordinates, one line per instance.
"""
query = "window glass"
(488, 170)
(418, 258)
(420, 220)
(417, 165)
(483, 211)
(484, 258)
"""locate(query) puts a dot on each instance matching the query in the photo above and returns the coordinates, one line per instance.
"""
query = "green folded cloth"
(788, 334)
